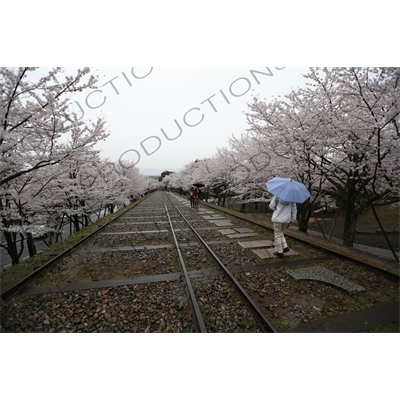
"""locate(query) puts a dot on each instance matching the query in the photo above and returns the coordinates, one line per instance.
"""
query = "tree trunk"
(76, 222)
(12, 248)
(350, 218)
(31, 244)
(49, 241)
(303, 215)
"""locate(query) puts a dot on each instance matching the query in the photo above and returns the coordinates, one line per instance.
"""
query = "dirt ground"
(368, 230)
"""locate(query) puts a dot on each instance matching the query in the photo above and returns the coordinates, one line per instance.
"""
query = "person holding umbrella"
(287, 193)
(285, 212)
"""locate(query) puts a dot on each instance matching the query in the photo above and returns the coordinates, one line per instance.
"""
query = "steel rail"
(258, 314)
(197, 316)
(38, 271)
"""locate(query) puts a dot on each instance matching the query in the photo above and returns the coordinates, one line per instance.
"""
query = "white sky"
(137, 110)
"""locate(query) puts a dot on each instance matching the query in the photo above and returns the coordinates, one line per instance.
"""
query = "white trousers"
(279, 237)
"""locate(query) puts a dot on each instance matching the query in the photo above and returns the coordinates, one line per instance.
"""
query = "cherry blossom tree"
(71, 191)
(37, 131)
(218, 172)
(253, 168)
(359, 145)
(190, 173)
(37, 127)
(126, 183)
(340, 136)
(50, 169)
(181, 180)
(287, 130)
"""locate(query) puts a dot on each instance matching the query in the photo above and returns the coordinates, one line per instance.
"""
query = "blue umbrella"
(288, 190)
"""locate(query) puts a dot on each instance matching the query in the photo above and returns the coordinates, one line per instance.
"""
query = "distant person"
(197, 194)
(284, 213)
(191, 197)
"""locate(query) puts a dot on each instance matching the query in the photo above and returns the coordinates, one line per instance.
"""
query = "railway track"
(164, 267)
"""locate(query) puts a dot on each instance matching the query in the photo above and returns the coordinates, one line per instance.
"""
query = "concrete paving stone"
(226, 231)
(264, 253)
(244, 230)
(241, 235)
(269, 253)
(222, 223)
(212, 217)
(325, 275)
(256, 244)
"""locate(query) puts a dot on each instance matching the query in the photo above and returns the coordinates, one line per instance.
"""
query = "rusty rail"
(197, 316)
(258, 314)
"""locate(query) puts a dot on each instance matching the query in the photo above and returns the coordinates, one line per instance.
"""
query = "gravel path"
(156, 307)
(163, 306)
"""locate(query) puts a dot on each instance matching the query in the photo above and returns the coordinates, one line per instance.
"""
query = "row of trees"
(50, 170)
(339, 136)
